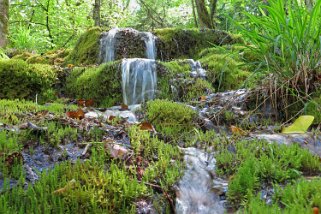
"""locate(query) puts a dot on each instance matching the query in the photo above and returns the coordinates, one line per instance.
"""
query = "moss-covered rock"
(171, 44)
(170, 118)
(313, 107)
(224, 69)
(176, 43)
(100, 83)
(86, 50)
(3, 55)
(22, 80)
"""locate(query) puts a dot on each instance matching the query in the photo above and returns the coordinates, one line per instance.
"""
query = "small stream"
(196, 188)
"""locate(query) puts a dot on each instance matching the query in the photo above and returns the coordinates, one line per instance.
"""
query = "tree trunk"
(4, 16)
(96, 12)
(204, 16)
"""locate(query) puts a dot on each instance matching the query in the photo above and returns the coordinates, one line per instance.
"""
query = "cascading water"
(138, 80)
(195, 193)
(197, 70)
(149, 39)
(107, 45)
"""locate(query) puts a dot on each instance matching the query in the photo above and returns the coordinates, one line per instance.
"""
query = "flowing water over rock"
(127, 42)
(195, 190)
(197, 69)
(139, 80)
(107, 45)
(150, 45)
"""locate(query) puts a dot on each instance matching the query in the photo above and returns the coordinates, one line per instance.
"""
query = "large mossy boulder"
(22, 80)
(175, 43)
(171, 43)
(86, 50)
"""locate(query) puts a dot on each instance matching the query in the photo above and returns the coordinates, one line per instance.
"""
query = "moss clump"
(178, 43)
(255, 164)
(102, 83)
(175, 83)
(86, 50)
(313, 107)
(170, 118)
(224, 71)
(22, 80)
(3, 55)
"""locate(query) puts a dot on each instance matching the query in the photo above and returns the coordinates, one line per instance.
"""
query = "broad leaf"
(299, 126)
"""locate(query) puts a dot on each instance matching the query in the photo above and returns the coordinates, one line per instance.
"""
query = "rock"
(128, 115)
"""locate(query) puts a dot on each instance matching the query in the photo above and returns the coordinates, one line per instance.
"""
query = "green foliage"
(313, 107)
(21, 80)
(86, 50)
(286, 36)
(102, 84)
(171, 119)
(44, 24)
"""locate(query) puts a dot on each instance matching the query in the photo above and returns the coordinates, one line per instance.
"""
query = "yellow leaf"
(300, 125)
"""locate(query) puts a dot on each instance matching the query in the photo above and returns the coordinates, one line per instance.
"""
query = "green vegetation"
(86, 50)
(313, 107)
(181, 43)
(258, 163)
(102, 84)
(16, 111)
(171, 119)
(225, 70)
(25, 81)
(101, 184)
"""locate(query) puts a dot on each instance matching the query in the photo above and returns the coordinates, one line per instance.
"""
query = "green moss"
(23, 56)
(12, 111)
(196, 89)
(102, 84)
(86, 50)
(100, 184)
(3, 55)
(179, 43)
(255, 164)
(22, 80)
(171, 119)
(224, 70)
(313, 107)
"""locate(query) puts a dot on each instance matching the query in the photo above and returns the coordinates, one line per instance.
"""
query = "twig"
(86, 149)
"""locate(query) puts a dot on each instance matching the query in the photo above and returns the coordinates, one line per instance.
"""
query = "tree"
(205, 15)
(96, 13)
(4, 16)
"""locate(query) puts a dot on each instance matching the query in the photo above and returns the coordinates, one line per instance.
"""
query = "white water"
(107, 45)
(149, 39)
(195, 193)
(197, 70)
(138, 80)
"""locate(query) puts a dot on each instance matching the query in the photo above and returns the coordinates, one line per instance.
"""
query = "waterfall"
(149, 39)
(138, 80)
(107, 45)
(197, 70)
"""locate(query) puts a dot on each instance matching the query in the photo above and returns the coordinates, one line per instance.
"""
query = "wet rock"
(308, 140)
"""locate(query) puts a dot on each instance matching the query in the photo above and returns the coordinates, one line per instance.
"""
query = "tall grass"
(287, 37)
